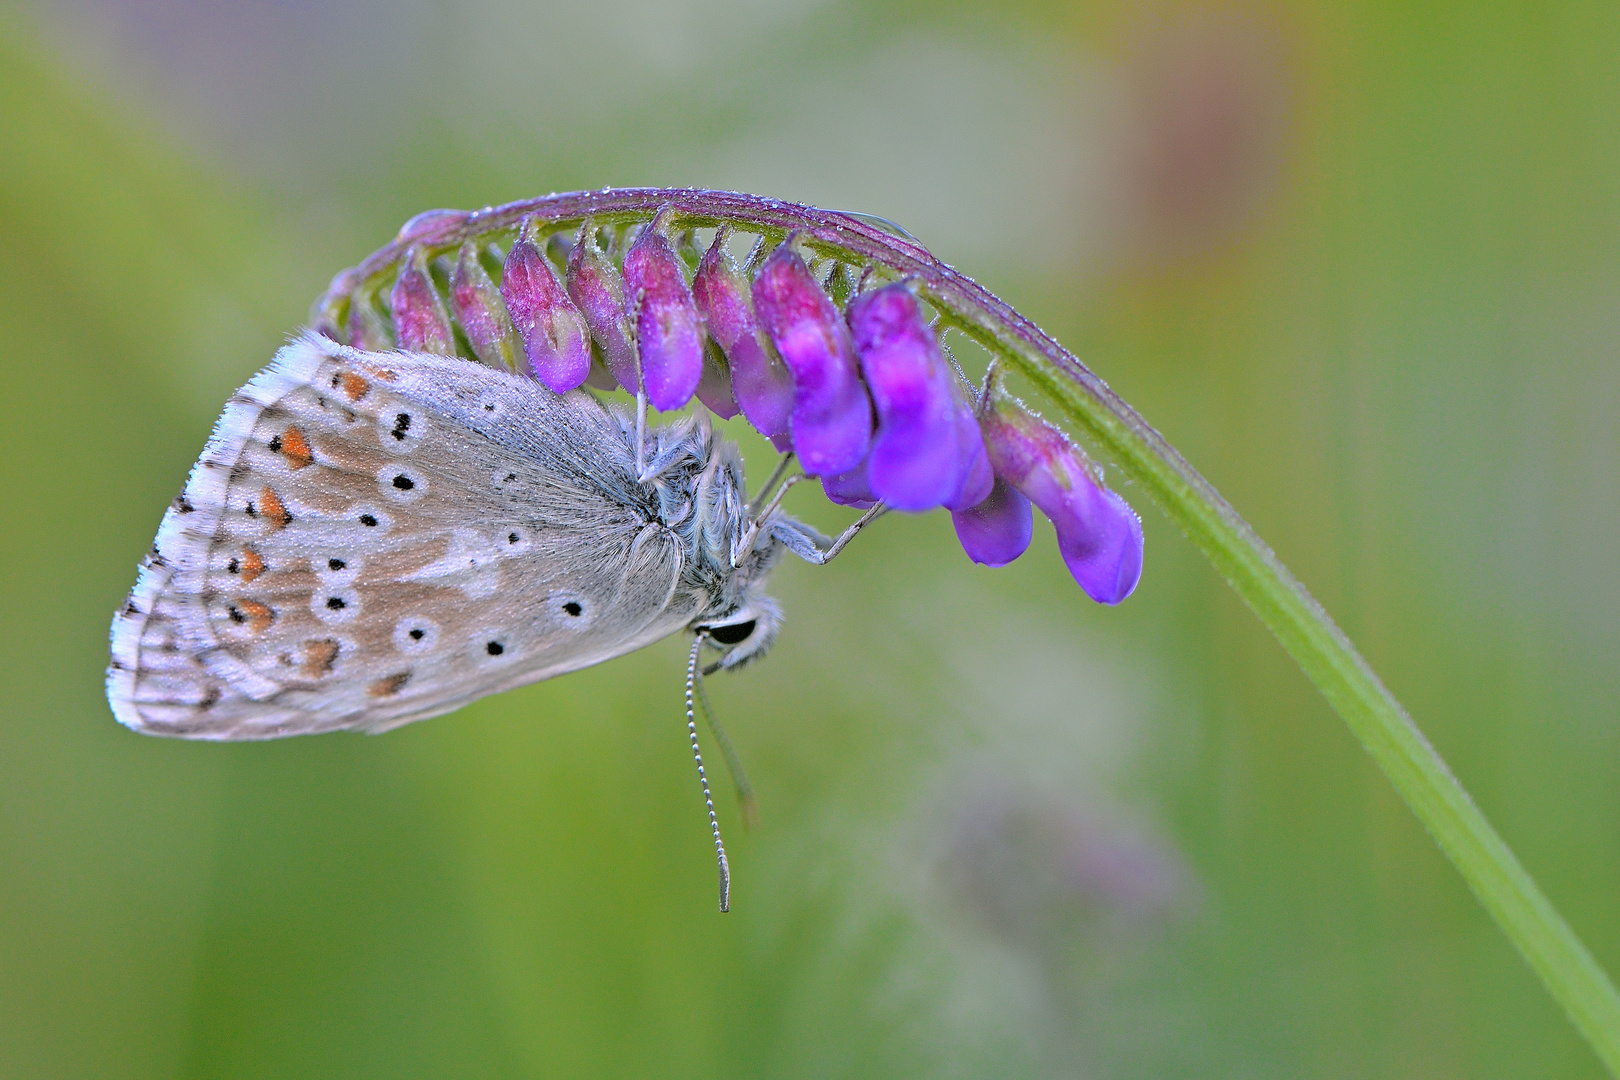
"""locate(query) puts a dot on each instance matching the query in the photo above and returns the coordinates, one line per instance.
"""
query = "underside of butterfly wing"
(374, 538)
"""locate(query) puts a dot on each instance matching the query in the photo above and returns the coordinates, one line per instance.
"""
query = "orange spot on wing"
(354, 387)
(385, 374)
(319, 656)
(390, 686)
(296, 447)
(270, 506)
(259, 616)
(251, 566)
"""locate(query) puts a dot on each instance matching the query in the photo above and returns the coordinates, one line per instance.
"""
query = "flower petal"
(832, 416)
(714, 389)
(976, 475)
(668, 334)
(366, 327)
(914, 463)
(761, 383)
(998, 529)
(420, 322)
(597, 290)
(1099, 535)
(481, 312)
(556, 342)
(852, 488)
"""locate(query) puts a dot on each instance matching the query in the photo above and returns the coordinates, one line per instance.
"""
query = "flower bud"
(1099, 535)
(977, 477)
(481, 312)
(597, 290)
(996, 530)
(366, 327)
(915, 463)
(714, 389)
(669, 336)
(556, 343)
(853, 488)
(760, 382)
(325, 317)
(420, 322)
(600, 377)
(832, 416)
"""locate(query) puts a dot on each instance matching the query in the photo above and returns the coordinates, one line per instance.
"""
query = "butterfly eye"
(731, 635)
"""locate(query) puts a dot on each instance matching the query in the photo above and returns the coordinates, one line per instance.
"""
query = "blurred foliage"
(1359, 262)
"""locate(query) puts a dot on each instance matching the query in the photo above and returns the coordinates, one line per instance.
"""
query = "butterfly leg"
(746, 543)
(849, 534)
(641, 435)
(770, 485)
(641, 423)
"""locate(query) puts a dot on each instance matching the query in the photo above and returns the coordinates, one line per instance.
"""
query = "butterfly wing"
(374, 538)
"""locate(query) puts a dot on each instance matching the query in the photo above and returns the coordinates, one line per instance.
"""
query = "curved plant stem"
(1305, 630)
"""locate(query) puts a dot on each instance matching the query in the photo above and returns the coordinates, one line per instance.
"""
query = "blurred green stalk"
(1330, 661)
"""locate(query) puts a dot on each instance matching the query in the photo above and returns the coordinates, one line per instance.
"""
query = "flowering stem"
(1305, 630)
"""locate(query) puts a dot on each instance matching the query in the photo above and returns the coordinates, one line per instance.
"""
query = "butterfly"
(372, 538)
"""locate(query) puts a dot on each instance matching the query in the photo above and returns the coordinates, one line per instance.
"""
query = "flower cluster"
(848, 375)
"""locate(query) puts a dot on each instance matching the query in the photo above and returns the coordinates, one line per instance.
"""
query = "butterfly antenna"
(703, 778)
(745, 791)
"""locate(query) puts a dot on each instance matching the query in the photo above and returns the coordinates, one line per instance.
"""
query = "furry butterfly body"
(374, 538)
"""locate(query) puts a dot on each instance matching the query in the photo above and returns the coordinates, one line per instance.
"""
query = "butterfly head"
(698, 479)
(744, 634)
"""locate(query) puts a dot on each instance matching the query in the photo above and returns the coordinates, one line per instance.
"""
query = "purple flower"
(976, 475)
(996, 530)
(366, 327)
(597, 290)
(714, 389)
(481, 312)
(668, 333)
(600, 377)
(915, 463)
(556, 342)
(420, 321)
(762, 384)
(832, 416)
(1099, 535)
(853, 488)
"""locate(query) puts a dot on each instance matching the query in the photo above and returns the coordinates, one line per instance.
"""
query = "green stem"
(1330, 661)
(1249, 566)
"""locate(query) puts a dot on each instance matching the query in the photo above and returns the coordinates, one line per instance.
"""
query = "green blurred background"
(1360, 262)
